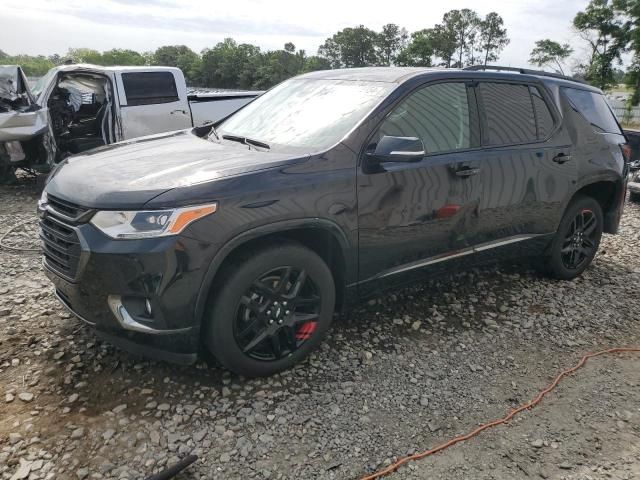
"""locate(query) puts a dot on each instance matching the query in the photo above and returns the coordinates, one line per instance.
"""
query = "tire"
(254, 301)
(577, 239)
(634, 197)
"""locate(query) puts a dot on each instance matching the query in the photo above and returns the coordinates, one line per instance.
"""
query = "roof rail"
(525, 71)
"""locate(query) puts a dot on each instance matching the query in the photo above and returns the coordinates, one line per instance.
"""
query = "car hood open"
(129, 174)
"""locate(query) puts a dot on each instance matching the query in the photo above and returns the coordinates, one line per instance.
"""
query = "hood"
(129, 174)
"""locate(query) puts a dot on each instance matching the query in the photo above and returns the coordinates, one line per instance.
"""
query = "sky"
(53, 26)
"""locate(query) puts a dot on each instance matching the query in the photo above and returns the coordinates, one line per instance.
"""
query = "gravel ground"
(399, 374)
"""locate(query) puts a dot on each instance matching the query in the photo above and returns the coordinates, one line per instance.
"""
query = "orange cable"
(417, 456)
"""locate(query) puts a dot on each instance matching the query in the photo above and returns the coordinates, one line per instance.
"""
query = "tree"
(419, 51)
(182, 57)
(390, 42)
(85, 55)
(548, 52)
(493, 36)
(599, 26)
(3, 55)
(443, 38)
(229, 65)
(351, 47)
(118, 56)
(629, 38)
(464, 25)
(313, 63)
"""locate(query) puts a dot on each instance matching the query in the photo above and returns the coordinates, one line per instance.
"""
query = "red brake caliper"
(306, 330)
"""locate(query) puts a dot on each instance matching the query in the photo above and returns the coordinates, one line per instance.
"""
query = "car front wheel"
(272, 309)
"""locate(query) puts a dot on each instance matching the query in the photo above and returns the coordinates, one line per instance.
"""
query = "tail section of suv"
(245, 237)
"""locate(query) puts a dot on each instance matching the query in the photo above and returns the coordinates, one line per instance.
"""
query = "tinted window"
(509, 114)
(146, 88)
(594, 108)
(437, 114)
(544, 119)
(634, 142)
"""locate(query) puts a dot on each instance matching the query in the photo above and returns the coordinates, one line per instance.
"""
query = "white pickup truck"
(74, 108)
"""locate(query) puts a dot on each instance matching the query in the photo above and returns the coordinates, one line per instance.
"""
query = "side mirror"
(398, 149)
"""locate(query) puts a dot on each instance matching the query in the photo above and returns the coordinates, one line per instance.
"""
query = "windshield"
(306, 114)
(42, 82)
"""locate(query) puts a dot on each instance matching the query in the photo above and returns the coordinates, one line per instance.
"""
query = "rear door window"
(508, 112)
(148, 88)
(594, 108)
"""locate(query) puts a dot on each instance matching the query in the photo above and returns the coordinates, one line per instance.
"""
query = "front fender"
(271, 228)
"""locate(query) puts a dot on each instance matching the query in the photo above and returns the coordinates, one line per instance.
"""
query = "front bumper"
(137, 294)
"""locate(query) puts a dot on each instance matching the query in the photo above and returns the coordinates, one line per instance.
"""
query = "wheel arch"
(609, 192)
(324, 237)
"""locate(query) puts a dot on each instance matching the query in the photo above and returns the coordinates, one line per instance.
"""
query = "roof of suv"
(401, 74)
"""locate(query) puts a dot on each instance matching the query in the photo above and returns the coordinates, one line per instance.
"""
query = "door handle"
(184, 112)
(561, 158)
(467, 171)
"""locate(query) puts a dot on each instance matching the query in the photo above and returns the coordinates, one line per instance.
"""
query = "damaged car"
(75, 108)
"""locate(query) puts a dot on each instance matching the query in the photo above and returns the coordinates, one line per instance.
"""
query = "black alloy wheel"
(277, 314)
(270, 307)
(577, 238)
(580, 242)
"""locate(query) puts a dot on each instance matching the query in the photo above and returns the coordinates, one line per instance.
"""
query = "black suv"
(248, 236)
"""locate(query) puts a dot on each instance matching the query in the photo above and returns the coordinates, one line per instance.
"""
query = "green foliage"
(629, 39)
(182, 57)
(464, 25)
(33, 66)
(600, 26)
(493, 37)
(419, 51)
(390, 42)
(547, 52)
(351, 47)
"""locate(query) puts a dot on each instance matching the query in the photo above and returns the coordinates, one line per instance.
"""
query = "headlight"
(149, 223)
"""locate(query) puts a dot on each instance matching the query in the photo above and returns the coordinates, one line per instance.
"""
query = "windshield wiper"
(246, 141)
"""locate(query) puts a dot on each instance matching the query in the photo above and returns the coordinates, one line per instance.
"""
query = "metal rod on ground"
(174, 469)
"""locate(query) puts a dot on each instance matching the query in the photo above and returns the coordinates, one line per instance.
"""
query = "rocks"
(26, 397)
(403, 372)
(537, 443)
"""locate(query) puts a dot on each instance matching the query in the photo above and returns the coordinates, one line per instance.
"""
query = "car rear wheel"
(577, 239)
(271, 311)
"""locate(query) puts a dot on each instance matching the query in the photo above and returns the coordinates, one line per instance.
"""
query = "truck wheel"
(272, 308)
(577, 239)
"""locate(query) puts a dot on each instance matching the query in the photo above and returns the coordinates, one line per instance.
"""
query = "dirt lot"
(402, 373)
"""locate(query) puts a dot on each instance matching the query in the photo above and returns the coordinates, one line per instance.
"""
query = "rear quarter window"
(594, 108)
(148, 88)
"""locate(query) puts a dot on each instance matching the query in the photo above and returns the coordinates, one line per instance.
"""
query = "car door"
(152, 102)
(411, 214)
(527, 169)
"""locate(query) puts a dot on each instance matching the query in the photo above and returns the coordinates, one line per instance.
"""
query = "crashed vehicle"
(633, 137)
(75, 108)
